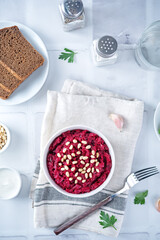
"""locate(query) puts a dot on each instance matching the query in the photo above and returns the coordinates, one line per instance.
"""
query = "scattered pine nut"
(88, 146)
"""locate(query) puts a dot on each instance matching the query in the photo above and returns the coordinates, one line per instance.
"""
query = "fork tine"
(141, 178)
(145, 169)
(145, 172)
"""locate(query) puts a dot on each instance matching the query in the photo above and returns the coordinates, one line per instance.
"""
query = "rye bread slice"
(17, 55)
(7, 81)
(4, 94)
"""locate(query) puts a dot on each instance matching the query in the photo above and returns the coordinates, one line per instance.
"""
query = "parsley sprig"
(68, 54)
(140, 197)
(106, 220)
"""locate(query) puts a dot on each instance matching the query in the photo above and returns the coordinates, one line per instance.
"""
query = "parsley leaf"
(159, 130)
(107, 221)
(69, 54)
(140, 197)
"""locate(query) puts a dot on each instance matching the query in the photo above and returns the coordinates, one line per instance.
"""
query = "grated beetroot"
(59, 166)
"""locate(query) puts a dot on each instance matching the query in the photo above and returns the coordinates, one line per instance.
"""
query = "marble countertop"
(126, 21)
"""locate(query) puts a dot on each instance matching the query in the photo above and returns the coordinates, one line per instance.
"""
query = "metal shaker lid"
(107, 46)
(72, 8)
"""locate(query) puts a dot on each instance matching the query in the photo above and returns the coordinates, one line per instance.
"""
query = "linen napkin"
(79, 103)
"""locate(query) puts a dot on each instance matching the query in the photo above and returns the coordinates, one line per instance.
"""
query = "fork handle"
(76, 219)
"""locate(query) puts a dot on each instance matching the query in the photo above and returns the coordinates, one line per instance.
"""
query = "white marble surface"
(126, 20)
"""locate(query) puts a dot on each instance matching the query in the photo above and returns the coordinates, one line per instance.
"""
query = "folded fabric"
(79, 103)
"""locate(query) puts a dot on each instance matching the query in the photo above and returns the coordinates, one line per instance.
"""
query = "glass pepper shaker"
(104, 51)
(72, 14)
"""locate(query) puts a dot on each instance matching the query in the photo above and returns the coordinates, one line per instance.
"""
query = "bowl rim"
(56, 186)
(19, 182)
(8, 138)
(155, 120)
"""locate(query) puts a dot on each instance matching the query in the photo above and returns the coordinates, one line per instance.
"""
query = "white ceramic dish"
(31, 86)
(8, 138)
(14, 178)
(157, 121)
(58, 188)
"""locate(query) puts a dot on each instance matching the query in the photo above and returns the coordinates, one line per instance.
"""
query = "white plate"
(31, 86)
(157, 121)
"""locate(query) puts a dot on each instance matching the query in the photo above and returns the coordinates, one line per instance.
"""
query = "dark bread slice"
(7, 81)
(4, 94)
(16, 54)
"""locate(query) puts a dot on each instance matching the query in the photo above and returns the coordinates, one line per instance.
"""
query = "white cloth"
(79, 103)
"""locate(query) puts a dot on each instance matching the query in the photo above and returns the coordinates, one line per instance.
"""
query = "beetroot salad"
(79, 161)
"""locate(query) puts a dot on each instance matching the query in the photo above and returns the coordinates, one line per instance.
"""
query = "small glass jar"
(72, 14)
(104, 51)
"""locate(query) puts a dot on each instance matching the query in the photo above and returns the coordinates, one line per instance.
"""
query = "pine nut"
(92, 161)
(71, 147)
(58, 155)
(80, 169)
(70, 179)
(83, 181)
(79, 178)
(79, 145)
(76, 174)
(93, 152)
(62, 169)
(90, 175)
(69, 157)
(97, 170)
(60, 164)
(76, 181)
(82, 162)
(92, 156)
(67, 174)
(87, 164)
(97, 155)
(73, 154)
(67, 143)
(73, 169)
(97, 163)
(74, 162)
(86, 175)
(83, 172)
(66, 167)
(78, 152)
(74, 141)
(64, 157)
(88, 170)
(84, 142)
(85, 158)
(67, 161)
(81, 157)
(64, 150)
(88, 146)
(92, 169)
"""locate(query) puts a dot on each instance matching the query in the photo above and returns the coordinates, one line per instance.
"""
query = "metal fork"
(131, 180)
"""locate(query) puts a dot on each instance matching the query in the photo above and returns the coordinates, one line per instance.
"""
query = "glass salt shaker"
(72, 14)
(104, 51)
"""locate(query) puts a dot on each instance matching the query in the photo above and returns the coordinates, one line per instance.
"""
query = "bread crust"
(19, 58)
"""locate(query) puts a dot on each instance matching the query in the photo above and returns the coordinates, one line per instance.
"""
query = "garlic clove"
(158, 205)
(118, 120)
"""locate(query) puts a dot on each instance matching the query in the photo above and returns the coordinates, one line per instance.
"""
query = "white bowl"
(157, 121)
(13, 178)
(8, 138)
(57, 187)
